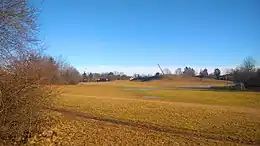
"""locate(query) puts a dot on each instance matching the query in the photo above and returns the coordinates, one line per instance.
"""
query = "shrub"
(25, 91)
(25, 76)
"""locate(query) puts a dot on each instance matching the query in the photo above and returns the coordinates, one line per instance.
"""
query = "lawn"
(107, 114)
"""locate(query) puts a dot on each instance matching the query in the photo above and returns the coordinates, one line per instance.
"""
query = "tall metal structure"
(160, 69)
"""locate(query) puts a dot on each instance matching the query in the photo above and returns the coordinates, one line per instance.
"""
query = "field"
(151, 113)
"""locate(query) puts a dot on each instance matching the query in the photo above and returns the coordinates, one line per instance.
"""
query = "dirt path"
(149, 126)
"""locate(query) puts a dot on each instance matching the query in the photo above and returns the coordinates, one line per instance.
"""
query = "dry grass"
(242, 99)
(80, 131)
(171, 81)
(98, 114)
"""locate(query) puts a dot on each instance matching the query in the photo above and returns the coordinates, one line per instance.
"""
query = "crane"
(160, 68)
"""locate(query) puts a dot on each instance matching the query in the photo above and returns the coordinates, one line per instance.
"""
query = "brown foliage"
(25, 90)
(247, 73)
(25, 76)
(65, 73)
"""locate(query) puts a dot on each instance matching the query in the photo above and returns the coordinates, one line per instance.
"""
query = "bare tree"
(167, 71)
(248, 64)
(115, 73)
(246, 73)
(17, 28)
(178, 71)
(136, 75)
(25, 76)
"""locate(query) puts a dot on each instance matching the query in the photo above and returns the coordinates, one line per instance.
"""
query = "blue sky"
(134, 35)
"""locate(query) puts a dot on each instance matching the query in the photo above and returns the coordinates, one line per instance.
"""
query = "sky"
(133, 36)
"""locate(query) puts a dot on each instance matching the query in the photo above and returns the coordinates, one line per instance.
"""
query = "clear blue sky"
(146, 32)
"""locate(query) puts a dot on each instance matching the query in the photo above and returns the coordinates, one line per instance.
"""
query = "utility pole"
(160, 69)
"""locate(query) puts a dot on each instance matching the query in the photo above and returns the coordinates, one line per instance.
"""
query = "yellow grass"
(105, 113)
(170, 81)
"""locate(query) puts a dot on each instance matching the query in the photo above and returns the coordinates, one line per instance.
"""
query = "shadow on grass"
(231, 89)
(213, 88)
(201, 88)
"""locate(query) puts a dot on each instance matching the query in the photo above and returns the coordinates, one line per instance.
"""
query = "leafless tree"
(246, 73)
(17, 28)
(71, 75)
(167, 71)
(178, 71)
(248, 65)
(25, 76)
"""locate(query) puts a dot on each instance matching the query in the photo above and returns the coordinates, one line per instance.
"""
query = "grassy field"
(108, 114)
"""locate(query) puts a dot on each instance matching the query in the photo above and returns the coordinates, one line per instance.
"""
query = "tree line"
(111, 76)
(246, 73)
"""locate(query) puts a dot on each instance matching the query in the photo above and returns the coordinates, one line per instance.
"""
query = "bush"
(247, 73)
(25, 91)
(25, 76)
